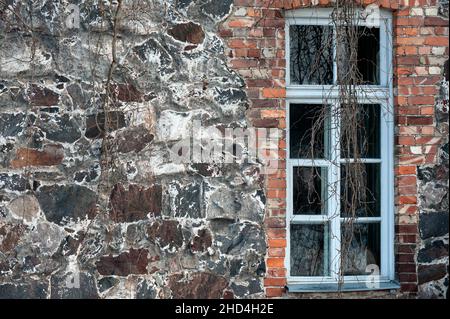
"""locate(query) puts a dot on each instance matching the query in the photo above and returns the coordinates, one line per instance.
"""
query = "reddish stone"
(431, 272)
(199, 285)
(267, 123)
(133, 262)
(228, 295)
(135, 203)
(201, 241)
(41, 96)
(126, 93)
(50, 155)
(188, 32)
(10, 235)
(166, 233)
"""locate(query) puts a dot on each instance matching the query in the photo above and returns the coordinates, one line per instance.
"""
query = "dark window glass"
(360, 190)
(309, 250)
(307, 130)
(366, 131)
(311, 54)
(360, 248)
(309, 190)
(366, 55)
(369, 55)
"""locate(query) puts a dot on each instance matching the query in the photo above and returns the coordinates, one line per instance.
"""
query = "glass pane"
(360, 190)
(309, 190)
(369, 55)
(360, 247)
(311, 54)
(307, 130)
(361, 131)
(360, 46)
(309, 250)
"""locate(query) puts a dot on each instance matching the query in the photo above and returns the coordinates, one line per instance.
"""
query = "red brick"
(407, 180)
(276, 233)
(277, 282)
(407, 200)
(275, 222)
(274, 93)
(274, 292)
(404, 278)
(275, 262)
(405, 258)
(265, 103)
(239, 43)
(244, 63)
(276, 252)
(240, 23)
(423, 120)
(406, 267)
(436, 21)
(408, 287)
(259, 83)
(410, 229)
(277, 243)
(276, 272)
(421, 100)
(407, 170)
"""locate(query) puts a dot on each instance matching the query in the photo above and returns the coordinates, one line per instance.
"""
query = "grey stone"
(241, 237)
(14, 182)
(73, 286)
(133, 139)
(47, 236)
(65, 202)
(217, 9)
(95, 124)
(87, 175)
(432, 251)
(60, 128)
(433, 224)
(106, 283)
(145, 290)
(25, 207)
(185, 200)
(11, 124)
(24, 290)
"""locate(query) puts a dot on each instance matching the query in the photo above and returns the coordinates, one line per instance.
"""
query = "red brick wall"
(255, 37)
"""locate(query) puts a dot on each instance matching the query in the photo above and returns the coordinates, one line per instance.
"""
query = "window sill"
(334, 287)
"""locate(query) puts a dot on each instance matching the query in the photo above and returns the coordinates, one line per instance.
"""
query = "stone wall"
(88, 192)
(432, 256)
(92, 204)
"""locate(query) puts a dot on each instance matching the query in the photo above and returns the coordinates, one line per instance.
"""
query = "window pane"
(307, 130)
(309, 190)
(365, 122)
(360, 46)
(309, 250)
(360, 190)
(369, 55)
(311, 54)
(360, 247)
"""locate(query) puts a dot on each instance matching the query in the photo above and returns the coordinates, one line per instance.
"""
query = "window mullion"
(334, 189)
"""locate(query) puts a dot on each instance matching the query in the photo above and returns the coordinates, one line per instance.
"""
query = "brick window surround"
(255, 37)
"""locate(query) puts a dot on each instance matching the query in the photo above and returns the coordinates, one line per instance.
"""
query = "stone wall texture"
(91, 204)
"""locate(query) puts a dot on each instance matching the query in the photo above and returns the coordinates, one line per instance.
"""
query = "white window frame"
(381, 94)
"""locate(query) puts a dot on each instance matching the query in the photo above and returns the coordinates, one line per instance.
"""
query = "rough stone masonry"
(92, 99)
(168, 230)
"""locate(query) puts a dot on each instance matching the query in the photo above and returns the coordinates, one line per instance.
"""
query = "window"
(320, 161)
